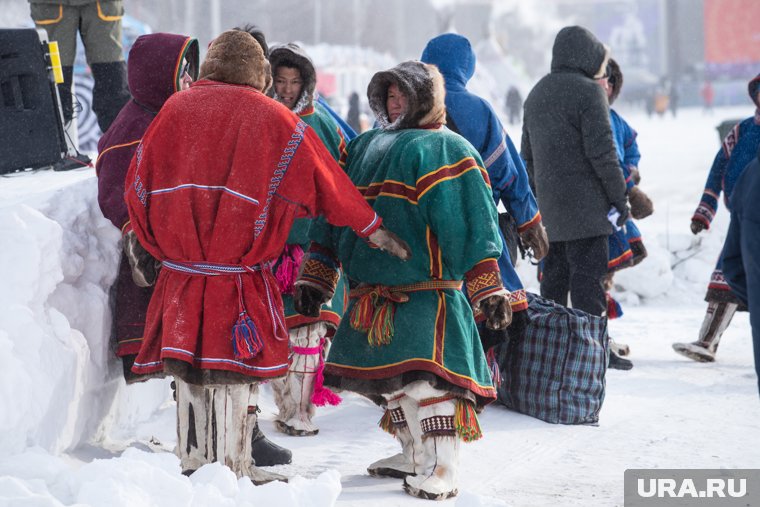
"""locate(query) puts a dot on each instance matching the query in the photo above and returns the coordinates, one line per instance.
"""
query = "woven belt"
(246, 339)
(374, 311)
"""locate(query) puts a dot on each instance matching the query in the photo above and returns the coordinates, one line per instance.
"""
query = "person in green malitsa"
(408, 339)
(294, 86)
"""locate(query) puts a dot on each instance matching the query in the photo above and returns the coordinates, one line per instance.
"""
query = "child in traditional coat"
(212, 193)
(294, 84)
(409, 336)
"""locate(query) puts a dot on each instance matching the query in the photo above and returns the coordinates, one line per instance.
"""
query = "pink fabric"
(321, 396)
(287, 271)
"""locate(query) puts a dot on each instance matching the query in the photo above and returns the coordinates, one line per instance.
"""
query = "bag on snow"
(555, 370)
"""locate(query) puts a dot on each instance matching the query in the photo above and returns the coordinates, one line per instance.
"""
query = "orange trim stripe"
(445, 173)
(106, 18)
(434, 250)
(530, 223)
(53, 21)
(440, 329)
(178, 65)
(131, 143)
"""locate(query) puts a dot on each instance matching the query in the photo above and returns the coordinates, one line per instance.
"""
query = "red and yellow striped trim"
(530, 223)
(448, 172)
(434, 251)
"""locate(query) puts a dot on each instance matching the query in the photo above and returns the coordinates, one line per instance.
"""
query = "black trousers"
(577, 267)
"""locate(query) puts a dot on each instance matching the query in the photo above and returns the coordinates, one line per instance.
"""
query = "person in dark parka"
(740, 265)
(571, 160)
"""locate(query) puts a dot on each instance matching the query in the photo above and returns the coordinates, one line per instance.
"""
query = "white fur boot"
(191, 426)
(293, 394)
(717, 319)
(437, 468)
(403, 463)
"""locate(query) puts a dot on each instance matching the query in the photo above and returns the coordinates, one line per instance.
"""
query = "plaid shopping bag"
(555, 370)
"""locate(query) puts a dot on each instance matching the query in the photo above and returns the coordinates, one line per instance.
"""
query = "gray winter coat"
(567, 141)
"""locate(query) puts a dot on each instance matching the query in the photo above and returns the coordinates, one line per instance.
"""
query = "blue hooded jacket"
(478, 123)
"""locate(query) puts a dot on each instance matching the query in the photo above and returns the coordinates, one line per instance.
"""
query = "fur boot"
(402, 410)
(191, 426)
(293, 394)
(437, 466)
(717, 319)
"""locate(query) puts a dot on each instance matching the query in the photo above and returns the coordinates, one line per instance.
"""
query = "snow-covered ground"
(71, 432)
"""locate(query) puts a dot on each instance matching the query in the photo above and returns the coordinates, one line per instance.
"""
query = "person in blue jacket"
(738, 149)
(626, 248)
(474, 119)
(740, 264)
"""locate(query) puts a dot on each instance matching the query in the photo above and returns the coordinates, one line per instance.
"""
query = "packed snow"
(72, 433)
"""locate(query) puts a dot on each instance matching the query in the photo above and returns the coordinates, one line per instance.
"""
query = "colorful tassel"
(386, 423)
(363, 312)
(382, 328)
(614, 310)
(287, 271)
(466, 421)
(246, 342)
(323, 396)
(494, 365)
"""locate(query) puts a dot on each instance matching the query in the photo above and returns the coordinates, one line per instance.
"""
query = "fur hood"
(292, 53)
(423, 86)
(235, 57)
(577, 50)
(615, 79)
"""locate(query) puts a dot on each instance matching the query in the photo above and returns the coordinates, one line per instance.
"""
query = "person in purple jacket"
(159, 65)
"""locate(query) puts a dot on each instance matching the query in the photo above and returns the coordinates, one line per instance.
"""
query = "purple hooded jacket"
(154, 71)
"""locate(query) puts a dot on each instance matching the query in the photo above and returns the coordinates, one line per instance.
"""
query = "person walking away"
(212, 192)
(738, 149)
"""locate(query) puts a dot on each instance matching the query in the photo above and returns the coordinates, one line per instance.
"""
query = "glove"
(391, 243)
(144, 266)
(308, 300)
(624, 213)
(497, 311)
(697, 226)
(641, 204)
(536, 239)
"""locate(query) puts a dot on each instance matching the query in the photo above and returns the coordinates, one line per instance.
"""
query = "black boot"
(266, 453)
(619, 363)
(110, 92)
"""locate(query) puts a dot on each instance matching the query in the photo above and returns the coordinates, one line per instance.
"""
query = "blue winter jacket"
(478, 123)
(626, 146)
(738, 149)
(741, 252)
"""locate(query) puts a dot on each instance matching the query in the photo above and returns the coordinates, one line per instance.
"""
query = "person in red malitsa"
(212, 193)
(294, 84)
(409, 339)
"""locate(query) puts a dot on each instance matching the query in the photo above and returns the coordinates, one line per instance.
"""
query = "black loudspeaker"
(31, 127)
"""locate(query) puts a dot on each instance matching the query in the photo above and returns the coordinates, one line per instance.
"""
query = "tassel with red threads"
(246, 342)
(466, 421)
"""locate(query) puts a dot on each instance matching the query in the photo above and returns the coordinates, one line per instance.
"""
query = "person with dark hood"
(474, 119)
(742, 245)
(409, 336)
(574, 169)
(98, 22)
(212, 192)
(626, 247)
(294, 83)
(160, 65)
(738, 149)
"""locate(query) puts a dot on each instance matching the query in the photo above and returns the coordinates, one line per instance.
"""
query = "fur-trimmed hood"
(423, 86)
(293, 55)
(235, 57)
(615, 79)
(577, 50)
